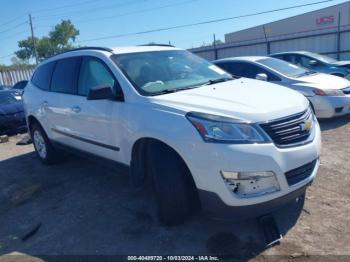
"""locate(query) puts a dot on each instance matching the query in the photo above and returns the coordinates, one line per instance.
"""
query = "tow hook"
(270, 229)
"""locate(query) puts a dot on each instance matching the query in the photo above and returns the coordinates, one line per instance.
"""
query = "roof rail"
(157, 45)
(83, 48)
(89, 48)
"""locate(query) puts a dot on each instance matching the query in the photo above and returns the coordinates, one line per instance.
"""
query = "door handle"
(44, 104)
(75, 109)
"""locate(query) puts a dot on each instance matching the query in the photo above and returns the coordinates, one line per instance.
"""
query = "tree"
(62, 34)
(61, 38)
(217, 42)
(26, 49)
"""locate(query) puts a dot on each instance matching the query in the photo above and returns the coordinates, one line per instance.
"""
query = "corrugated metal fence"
(10, 77)
(333, 41)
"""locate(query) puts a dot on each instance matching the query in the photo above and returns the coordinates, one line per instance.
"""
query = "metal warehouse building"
(325, 31)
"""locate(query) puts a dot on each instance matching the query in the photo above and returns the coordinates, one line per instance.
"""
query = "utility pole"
(215, 49)
(266, 40)
(338, 37)
(33, 38)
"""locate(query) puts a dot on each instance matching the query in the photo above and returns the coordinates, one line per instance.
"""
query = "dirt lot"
(80, 207)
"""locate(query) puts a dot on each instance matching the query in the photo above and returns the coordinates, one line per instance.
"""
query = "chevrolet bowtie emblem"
(307, 125)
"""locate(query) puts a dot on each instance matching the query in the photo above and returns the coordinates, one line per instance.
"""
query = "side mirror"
(100, 92)
(312, 62)
(261, 76)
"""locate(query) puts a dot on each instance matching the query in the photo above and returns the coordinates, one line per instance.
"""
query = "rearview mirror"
(100, 92)
(261, 76)
(312, 62)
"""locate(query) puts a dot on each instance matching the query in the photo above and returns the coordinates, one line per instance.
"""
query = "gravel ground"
(79, 207)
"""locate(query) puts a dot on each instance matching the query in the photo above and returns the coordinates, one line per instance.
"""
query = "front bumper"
(12, 124)
(214, 207)
(248, 158)
(331, 106)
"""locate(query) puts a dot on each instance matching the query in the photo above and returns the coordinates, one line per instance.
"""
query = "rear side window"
(233, 68)
(65, 76)
(247, 70)
(93, 73)
(42, 76)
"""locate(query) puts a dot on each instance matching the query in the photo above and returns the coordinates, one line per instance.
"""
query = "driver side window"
(93, 73)
(250, 71)
(303, 61)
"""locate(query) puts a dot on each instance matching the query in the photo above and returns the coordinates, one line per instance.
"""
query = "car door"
(63, 94)
(95, 124)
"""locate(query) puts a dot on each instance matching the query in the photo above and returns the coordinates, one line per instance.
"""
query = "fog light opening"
(251, 184)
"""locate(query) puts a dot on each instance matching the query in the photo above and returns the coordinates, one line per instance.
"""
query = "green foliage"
(15, 67)
(26, 49)
(60, 39)
(218, 42)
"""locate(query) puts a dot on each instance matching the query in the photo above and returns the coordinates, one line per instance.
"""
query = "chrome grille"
(289, 130)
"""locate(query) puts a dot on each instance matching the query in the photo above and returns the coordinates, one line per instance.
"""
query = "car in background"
(329, 95)
(19, 87)
(4, 87)
(12, 119)
(316, 62)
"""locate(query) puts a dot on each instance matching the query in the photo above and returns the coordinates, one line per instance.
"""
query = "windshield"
(284, 67)
(7, 98)
(155, 72)
(323, 58)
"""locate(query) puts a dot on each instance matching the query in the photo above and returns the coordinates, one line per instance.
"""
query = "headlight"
(328, 92)
(217, 129)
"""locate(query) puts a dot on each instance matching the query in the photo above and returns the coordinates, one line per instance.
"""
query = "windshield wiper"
(215, 81)
(306, 73)
(169, 91)
(210, 82)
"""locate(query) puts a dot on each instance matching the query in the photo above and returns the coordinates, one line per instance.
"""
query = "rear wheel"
(172, 190)
(42, 145)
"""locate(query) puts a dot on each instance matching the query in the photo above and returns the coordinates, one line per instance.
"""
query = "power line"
(135, 12)
(11, 21)
(49, 9)
(14, 35)
(131, 13)
(13, 27)
(5, 56)
(94, 10)
(201, 23)
(65, 6)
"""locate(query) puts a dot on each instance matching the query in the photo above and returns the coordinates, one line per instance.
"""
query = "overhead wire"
(200, 23)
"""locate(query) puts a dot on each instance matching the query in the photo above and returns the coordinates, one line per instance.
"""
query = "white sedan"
(328, 94)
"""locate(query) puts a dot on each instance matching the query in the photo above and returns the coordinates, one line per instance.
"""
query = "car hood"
(323, 81)
(341, 63)
(10, 109)
(246, 99)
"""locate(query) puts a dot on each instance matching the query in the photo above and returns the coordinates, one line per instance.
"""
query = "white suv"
(238, 147)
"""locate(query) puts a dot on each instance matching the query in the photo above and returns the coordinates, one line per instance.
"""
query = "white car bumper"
(331, 106)
(213, 189)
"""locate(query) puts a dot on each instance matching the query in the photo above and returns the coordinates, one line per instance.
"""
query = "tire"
(43, 147)
(169, 178)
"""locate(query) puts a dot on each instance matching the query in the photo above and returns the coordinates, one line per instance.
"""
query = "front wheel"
(172, 191)
(42, 145)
